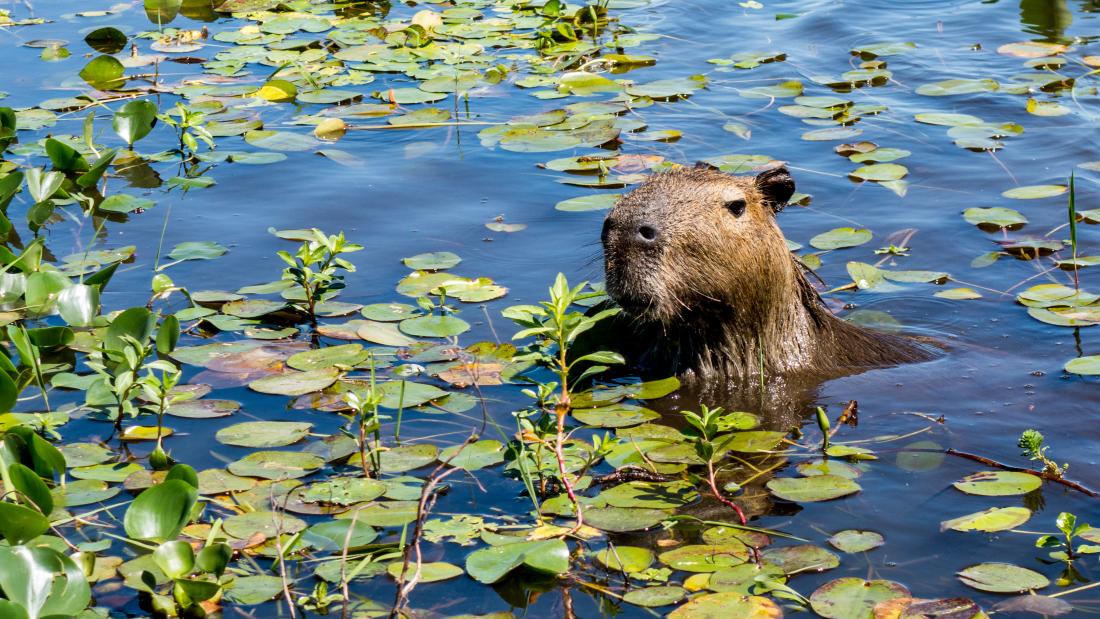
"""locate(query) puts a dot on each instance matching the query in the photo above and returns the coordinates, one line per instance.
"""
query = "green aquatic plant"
(316, 268)
(1032, 443)
(555, 327)
(1065, 548)
(190, 128)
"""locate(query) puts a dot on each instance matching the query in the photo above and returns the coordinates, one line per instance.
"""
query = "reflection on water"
(435, 189)
(1047, 18)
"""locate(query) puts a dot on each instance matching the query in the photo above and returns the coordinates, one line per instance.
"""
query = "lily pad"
(854, 598)
(811, 489)
(295, 383)
(840, 238)
(852, 541)
(276, 465)
(264, 433)
(999, 483)
(992, 519)
(1002, 578)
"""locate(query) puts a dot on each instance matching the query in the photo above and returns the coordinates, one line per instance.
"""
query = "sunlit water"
(433, 190)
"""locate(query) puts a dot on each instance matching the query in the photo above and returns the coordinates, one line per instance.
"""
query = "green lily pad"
(623, 519)
(474, 456)
(344, 491)
(626, 558)
(840, 238)
(343, 356)
(854, 598)
(615, 416)
(992, 519)
(880, 172)
(852, 541)
(727, 604)
(264, 433)
(811, 489)
(705, 557)
(1088, 366)
(295, 383)
(1002, 578)
(802, 558)
(270, 524)
(434, 326)
(276, 465)
(408, 457)
(434, 261)
(1034, 192)
(595, 202)
(428, 572)
(998, 483)
(652, 597)
(995, 217)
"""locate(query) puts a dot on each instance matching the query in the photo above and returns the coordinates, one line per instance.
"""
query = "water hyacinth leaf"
(264, 433)
(811, 489)
(1034, 192)
(175, 558)
(852, 541)
(124, 203)
(33, 491)
(276, 465)
(840, 238)
(998, 483)
(160, 513)
(1002, 578)
(104, 73)
(992, 519)
(134, 120)
(42, 582)
(251, 590)
(295, 383)
(727, 604)
(848, 598)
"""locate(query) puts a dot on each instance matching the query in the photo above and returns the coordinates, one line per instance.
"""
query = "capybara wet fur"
(703, 274)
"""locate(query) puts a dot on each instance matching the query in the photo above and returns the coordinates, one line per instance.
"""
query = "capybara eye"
(737, 207)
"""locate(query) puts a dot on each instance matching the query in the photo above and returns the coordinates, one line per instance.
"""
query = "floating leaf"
(1033, 192)
(854, 598)
(295, 383)
(880, 172)
(998, 483)
(705, 557)
(992, 519)
(1002, 578)
(264, 433)
(811, 489)
(727, 604)
(276, 465)
(840, 238)
(852, 541)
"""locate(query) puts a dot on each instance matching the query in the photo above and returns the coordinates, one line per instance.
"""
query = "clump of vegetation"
(316, 268)
(1031, 442)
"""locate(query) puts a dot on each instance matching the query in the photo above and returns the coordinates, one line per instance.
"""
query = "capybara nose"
(646, 234)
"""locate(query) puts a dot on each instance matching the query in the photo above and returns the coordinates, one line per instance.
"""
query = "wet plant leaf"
(1034, 192)
(295, 383)
(812, 489)
(264, 433)
(852, 541)
(992, 519)
(1002, 578)
(998, 483)
(840, 238)
(852, 598)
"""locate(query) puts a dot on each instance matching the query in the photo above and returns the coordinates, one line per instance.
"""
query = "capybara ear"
(777, 187)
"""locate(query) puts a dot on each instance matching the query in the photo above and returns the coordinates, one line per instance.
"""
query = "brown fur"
(716, 293)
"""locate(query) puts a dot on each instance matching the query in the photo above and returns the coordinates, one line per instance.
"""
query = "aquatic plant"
(315, 268)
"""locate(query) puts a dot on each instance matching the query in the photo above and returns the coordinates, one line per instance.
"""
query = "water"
(424, 190)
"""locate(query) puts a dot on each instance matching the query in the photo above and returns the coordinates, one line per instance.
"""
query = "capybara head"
(696, 242)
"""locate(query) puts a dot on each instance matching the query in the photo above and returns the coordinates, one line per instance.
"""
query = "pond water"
(401, 192)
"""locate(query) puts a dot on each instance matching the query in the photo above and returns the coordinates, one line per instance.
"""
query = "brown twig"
(1008, 467)
(849, 416)
(423, 508)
